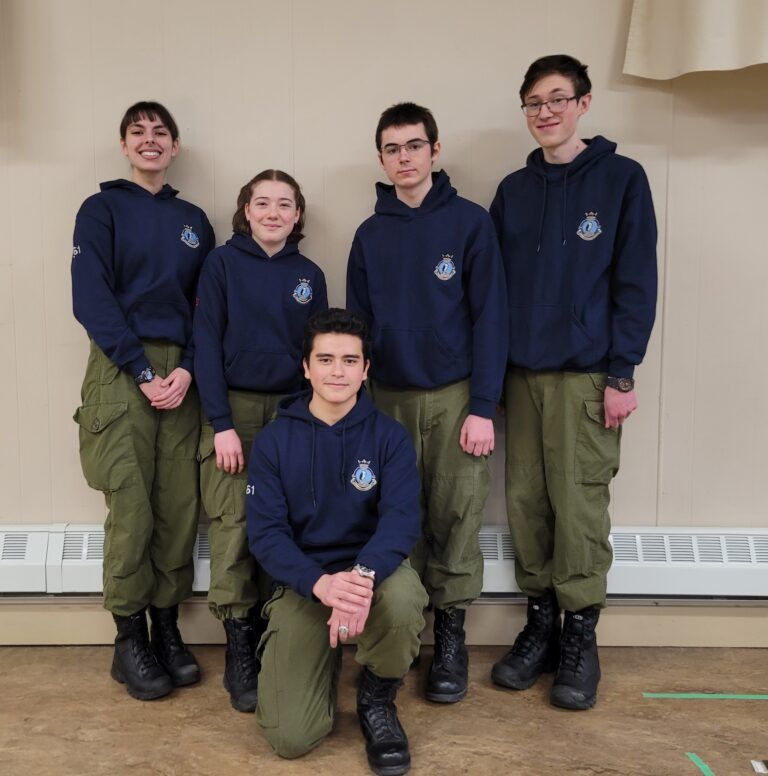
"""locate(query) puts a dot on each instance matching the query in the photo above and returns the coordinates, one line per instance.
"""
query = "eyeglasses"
(555, 105)
(392, 150)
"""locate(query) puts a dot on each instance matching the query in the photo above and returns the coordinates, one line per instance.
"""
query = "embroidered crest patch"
(363, 477)
(189, 237)
(445, 268)
(590, 227)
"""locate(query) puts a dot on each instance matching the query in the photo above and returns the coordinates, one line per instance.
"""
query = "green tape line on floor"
(705, 696)
(700, 764)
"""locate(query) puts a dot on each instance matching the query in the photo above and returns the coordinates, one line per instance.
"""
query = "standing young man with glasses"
(426, 273)
(578, 236)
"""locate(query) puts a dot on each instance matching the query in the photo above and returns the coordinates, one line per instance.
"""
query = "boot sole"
(390, 770)
(453, 697)
(498, 677)
(140, 695)
(573, 704)
(237, 705)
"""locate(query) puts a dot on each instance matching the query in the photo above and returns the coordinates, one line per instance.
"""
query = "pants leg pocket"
(597, 447)
(106, 450)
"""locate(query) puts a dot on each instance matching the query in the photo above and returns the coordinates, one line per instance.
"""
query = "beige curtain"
(670, 37)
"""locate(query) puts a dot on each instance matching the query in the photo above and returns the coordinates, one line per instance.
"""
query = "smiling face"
(410, 171)
(336, 369)
(271, 213)
(149, 147)
(554, 131)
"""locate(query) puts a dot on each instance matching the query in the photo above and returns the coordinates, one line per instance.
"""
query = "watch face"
(626, 384)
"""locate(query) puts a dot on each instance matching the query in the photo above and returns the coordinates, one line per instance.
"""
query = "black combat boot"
(134, 663)
(241, 669)
(449, 672)
(171, 651)
(385, 741)
(536, 649)
(576, 681)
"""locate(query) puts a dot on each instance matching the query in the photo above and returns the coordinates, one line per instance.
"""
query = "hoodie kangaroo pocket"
(548, 336)
(418, 357)
(259, 370)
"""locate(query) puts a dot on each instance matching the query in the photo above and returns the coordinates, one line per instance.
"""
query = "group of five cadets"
(546, 305)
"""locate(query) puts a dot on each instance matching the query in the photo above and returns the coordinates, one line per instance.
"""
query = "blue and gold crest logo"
(590, 227)
(189, 237)
(445, 268)
(303, 292)
(363, 477)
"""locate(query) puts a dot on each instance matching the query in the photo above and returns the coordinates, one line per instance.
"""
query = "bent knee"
(295, 742)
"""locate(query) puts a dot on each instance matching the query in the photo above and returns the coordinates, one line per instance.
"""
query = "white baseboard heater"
(648, 561)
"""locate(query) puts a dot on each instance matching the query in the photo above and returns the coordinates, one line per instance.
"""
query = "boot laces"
(378, 701)
(170, 638)
(447, 641)
(571, 646)
(535, 628)
(143, 656)
(243, 652)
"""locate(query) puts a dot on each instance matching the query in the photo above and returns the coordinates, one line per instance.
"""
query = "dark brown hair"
(335, 321)
(403, 114)
(240, 223)
(557, 64)
(151, 111)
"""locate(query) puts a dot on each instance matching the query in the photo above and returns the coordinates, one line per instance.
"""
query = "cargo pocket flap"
(96, 417)
(596, 411)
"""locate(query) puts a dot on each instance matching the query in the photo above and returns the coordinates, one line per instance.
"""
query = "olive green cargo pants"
(143, 460)
(237, 583)
(454, 488)
(560, 461)
(300, 671)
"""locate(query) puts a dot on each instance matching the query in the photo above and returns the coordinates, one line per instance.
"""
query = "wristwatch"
(145, 376)
(364, 571)
(623, 384)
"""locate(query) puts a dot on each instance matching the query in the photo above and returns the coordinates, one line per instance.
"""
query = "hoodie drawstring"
(343, 450)
(541, 219)
(565, 205)
(312, 467)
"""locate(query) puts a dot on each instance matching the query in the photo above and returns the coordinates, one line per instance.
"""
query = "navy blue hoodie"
(579, 247)
(135, 263)
(249, 322)
(321, 498)
(430, 281)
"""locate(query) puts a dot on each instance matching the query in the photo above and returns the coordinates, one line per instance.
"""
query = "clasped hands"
(349, 596)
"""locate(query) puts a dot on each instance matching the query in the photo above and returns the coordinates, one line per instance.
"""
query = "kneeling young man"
(578, 237)
(332, 514)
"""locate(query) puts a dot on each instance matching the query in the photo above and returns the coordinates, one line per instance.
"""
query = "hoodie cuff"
(137, 366)
(223, 423)
(187, 362)
(482, 407)
(307, 581)
(620, 368)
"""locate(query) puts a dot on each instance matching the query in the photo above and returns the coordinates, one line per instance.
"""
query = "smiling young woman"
(137, 253)
(255, 294)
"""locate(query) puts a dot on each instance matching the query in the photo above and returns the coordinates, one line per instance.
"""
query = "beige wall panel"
(714, 423)
(300, 86)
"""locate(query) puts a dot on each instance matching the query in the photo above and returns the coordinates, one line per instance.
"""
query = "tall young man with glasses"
(578, 236)
(426, 273)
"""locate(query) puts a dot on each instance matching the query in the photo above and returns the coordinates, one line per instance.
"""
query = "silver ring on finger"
(343, 630)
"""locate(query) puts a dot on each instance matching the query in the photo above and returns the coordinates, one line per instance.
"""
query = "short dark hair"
(151, 111)
(557, 64)
(407, 113)
(335, 321)
(240, 223)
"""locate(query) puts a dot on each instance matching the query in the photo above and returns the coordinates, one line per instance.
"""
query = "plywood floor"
(60, 713)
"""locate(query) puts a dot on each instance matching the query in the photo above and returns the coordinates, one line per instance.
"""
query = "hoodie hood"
(167, 192)
(596, 149)
(387, 203)
(246, 243)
